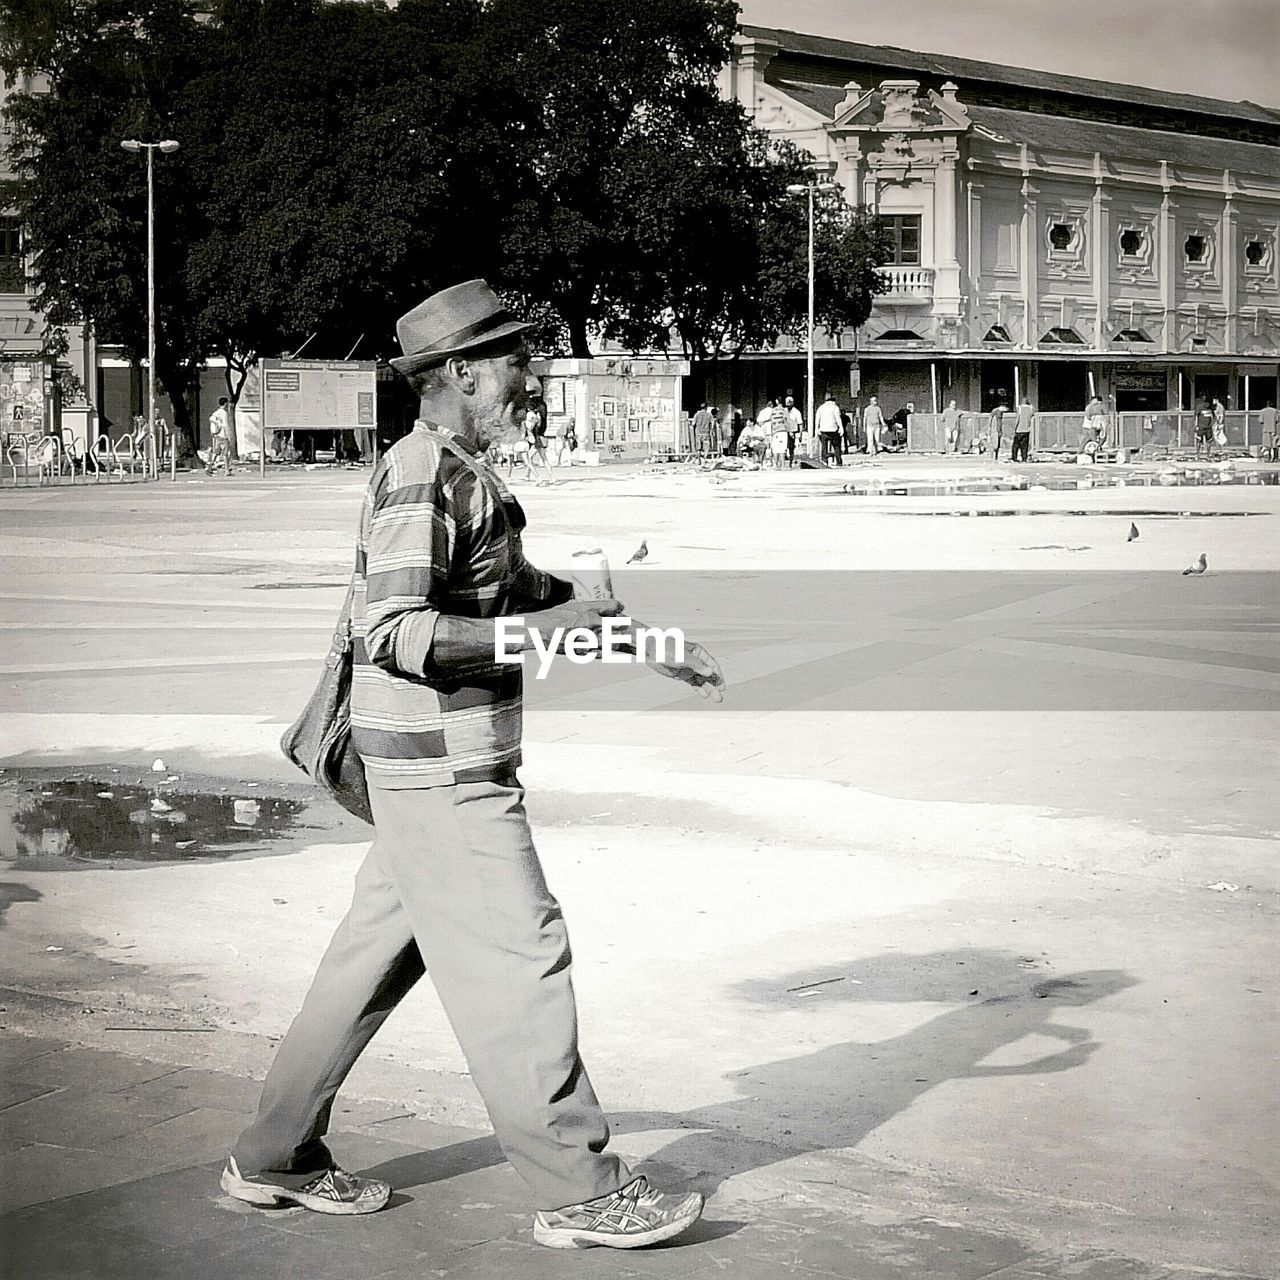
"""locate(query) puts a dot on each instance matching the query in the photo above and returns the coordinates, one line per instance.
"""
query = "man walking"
(1267, 418)
(995, 426)
(1204, 428)
(715, 441)
(1022, 430)
(452, 881)
(873, 425)
(830, 423)
(795, 429)
(219, 438)
(702, 430)
(951, 428)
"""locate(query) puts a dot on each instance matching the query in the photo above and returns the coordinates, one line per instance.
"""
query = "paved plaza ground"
(945, 947)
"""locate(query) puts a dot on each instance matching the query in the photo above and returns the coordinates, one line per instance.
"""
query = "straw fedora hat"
(454, 320)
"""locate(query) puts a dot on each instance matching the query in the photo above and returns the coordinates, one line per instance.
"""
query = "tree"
(324, 183)
(339, 161)
(721, 248)
(334, 218)
(585, 102)
(113, 70)
(646, 204)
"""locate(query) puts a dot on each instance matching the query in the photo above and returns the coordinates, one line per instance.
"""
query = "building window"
(1130, 242)
(1133, 335)
(899, 335)
(1194, 248)
(13, 272)
(1062, 336)
(997, 333)
(904, 238)
(1060, 235)
(1254, 252)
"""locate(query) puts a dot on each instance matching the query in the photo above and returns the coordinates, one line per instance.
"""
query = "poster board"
(320, 395)
(22, 397)
(622, 408)
(316, 395)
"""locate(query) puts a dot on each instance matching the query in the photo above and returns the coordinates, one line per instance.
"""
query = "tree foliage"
(115, 70)
(339, 161)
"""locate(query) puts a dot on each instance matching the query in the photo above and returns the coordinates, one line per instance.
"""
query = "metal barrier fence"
(926, 434)
(1159, 432)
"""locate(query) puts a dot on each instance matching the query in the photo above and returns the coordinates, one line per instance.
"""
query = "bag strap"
(470, 463)
(342, 643)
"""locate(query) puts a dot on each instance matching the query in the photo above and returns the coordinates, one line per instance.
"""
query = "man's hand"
(699, 670)
(570, 615)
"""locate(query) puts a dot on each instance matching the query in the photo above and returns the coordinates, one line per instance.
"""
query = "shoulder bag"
(319, 740)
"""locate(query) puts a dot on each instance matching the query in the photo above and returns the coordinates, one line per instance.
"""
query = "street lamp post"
(818, 182)
(167, 146)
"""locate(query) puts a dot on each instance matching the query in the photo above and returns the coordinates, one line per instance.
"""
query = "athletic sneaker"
(333, 1191)
(629, 1218)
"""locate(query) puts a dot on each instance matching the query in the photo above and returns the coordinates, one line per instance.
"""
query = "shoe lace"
(642, 1193)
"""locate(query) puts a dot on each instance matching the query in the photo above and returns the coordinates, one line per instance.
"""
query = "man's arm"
(410, 545)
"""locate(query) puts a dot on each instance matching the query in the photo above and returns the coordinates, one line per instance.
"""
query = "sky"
(1217, 48)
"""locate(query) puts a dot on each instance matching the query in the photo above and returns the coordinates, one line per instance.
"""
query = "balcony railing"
(907, 284)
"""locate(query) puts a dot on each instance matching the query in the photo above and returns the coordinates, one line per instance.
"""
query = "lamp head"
(131, 144)
(168, 145)
(793, 188)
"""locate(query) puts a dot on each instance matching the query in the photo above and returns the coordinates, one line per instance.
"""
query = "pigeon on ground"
(1199, 567)
(640, 552)
(1133, 532)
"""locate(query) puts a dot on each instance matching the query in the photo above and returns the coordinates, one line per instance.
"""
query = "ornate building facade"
(1052, 235)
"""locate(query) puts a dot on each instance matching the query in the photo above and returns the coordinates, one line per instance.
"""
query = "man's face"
(504, 388)
(790, 403)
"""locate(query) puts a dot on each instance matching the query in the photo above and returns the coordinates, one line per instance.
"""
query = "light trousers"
(452, 880)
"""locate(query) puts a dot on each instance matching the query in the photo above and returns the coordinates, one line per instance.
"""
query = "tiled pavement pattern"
(109, 1165)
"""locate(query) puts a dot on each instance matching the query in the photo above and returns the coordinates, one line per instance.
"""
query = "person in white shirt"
(951, 428)
(830, 423)
(219, 438)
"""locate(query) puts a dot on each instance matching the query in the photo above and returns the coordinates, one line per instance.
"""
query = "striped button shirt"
(439, 540)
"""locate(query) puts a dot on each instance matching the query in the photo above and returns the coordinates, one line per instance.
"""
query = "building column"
(1167, 262)
(745, 69)
(1101, 222)
(1030, 262)
(973, 267)
(850, 172)
(946, 280)
(1230, 272)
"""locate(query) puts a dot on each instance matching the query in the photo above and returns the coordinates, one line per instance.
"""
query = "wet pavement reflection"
(1031, 483)
(53, 825)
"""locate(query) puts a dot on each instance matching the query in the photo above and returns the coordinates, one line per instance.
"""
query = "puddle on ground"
(58, 825)
(296, 586)
(1056, 484)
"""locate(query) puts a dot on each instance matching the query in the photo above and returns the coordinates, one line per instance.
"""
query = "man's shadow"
(835, 1097)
